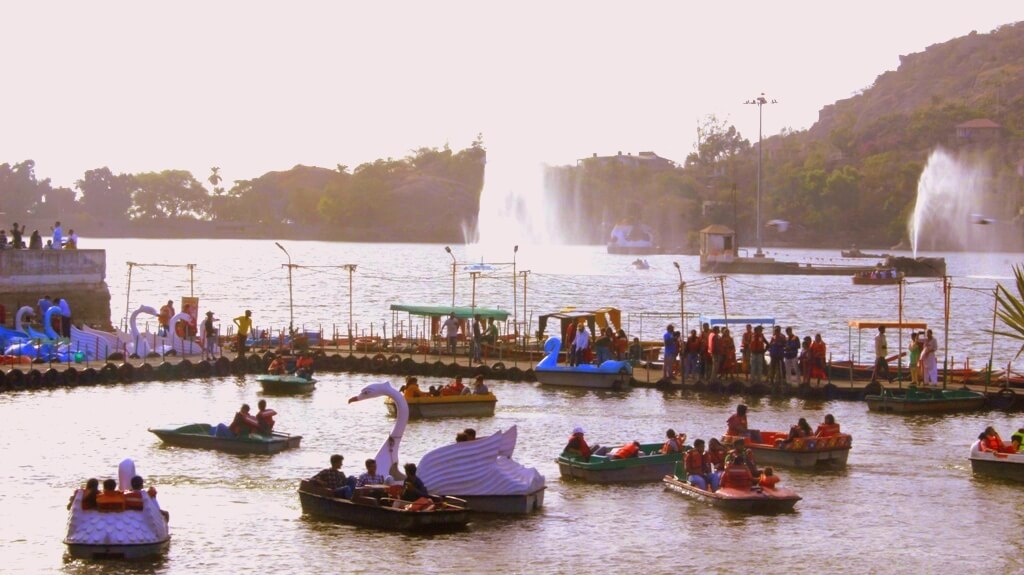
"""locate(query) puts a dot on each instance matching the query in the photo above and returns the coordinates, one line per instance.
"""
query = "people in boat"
(801, 429)
(577, 445)
(413, 487)
(133, 499)
(334, 480)
(412, 388)
(626, 451)
(698, 468)
(277, 366)
(434, 391)
(768, 479)
(478, 386)
(995, 443)
(460, 437)
(243, 424)
(92, 487)
(737, 425)
(453, 388)
(828, 427)
(371, 477)
(740, 455)
(110, 499)
(304, 366)
(674, 443)
(1017, 439)
(265, 418)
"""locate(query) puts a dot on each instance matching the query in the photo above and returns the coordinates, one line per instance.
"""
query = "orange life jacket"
(673, 445)
(768, 481)
(628, 450)
(110, 501)
(827, 430)
(133, 500)
(241, 420)
(265, 419)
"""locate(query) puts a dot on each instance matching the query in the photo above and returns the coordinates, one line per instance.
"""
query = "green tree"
(105, 195)
(169, 194)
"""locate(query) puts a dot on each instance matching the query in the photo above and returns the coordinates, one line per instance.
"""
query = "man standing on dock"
(451, 332)
(244, 323)
(881, 351)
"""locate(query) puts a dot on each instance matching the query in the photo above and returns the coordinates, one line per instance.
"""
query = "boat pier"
(517, 368)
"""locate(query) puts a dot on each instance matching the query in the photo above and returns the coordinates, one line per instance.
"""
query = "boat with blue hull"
(611, 374)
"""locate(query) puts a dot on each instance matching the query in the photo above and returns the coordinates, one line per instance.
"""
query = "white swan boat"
(993, 464)
(481, 471)
(124, 533)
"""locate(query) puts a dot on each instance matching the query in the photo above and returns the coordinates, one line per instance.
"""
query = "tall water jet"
(953, 197)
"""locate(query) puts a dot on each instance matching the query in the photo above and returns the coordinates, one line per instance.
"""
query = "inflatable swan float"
(480, 471)
(125, 533)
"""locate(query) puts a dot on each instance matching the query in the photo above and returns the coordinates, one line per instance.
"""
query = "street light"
(291, 308)
(351, 268)
(682, 301)
(759, 101)
(515, 295)
(454, 263)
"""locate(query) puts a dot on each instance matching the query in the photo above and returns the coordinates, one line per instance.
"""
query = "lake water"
(906, 503)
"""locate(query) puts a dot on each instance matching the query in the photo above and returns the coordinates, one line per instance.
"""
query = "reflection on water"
(907, 495)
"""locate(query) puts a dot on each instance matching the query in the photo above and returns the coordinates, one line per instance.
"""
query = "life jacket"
(827, 430)
(758, 343)
(737, 424)
(737, 476)
(673, 445)
(133, 500)
(577, 443)
(248, 421)
(304, 362)
(412, 391)
(745, 342)
(696, 463)
(626, 451)
(276, 366)
(110, 501)
(265, 419)
(768, 481)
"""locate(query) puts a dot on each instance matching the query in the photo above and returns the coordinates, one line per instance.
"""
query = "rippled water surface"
(907, 502)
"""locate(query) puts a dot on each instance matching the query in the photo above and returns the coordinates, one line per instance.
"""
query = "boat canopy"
(737, 320)
(445, 310)
(876, 323)
(599, 318)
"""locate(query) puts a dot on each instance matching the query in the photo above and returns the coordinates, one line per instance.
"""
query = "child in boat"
(768, 478)
(674, 443)
(627, 451)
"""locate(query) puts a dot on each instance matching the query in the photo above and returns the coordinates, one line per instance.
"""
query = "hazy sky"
(259, 86)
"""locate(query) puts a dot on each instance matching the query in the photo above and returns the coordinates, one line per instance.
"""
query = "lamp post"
(682, 300)
(291, 307)
(351, 268)
(515, 295)
(454, 263)
(760, 101)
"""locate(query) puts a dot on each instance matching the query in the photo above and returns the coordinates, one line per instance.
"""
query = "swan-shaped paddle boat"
(611, 374)
(19, 333)
(130, 525)
(479, 471)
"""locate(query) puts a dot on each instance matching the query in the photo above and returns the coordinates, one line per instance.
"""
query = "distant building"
(978, 130)
(648, 160)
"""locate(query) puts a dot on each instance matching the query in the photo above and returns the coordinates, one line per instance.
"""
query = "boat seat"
(364, 500)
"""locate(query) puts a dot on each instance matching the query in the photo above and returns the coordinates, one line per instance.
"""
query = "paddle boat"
(650, 465)
(641, 264)
(203, 436)
(378, 507)
(427, 406)
(742, 497)
(995, 464)
(925, 400)
(611, 374)
(286, 383)
(480, 472)
(124, 525)
(773, 449)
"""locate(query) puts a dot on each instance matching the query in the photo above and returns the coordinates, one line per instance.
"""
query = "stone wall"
(76, 275)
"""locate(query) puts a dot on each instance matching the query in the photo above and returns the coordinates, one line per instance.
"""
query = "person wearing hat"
(577, 446)
(210, 336)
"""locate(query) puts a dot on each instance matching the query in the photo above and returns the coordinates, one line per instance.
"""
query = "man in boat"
(881, 351)
(741, 456)
(737, 425)
(265, 418)
(243, 424)
(626, 451)
(276, 366)
(334, 480)
(698, 468)
(412, 388)
(577, 445)
(582, 342)
(413, 488)
(304, 366)
(371, 477)
(478, 386)
(454, 388)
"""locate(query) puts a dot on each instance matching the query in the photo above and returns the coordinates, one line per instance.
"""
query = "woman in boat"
(737, 425)
(828, 427)
(577, 445)
(92, 487)
(698, 469)
(276, 366)
(768, 478)
(995, 443)
(626, 451)
(673, 443)
(412, 388)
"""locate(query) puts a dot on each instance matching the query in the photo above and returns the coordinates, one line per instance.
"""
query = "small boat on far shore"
(924, 400)
(651, 465)
(428, 406)
(995, 464)
(754, 499)
(201, 436)
(878, 277)
(286, 384)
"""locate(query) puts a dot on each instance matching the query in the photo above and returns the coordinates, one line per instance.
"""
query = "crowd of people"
(16, 239)
(481, 332)
(923, 364)
(711, 355)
